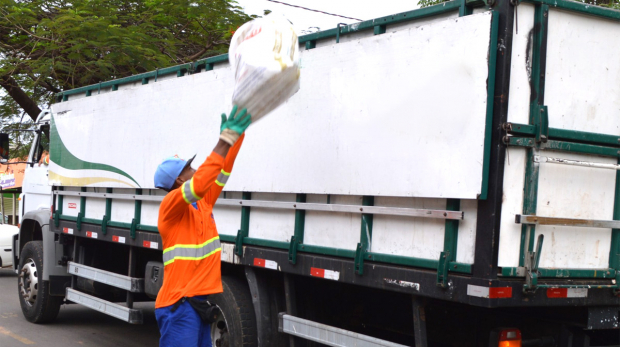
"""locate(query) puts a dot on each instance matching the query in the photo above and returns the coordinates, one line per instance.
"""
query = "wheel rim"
(29, 282)
(219, 331)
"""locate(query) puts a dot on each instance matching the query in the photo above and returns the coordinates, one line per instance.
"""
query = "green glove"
(223, 122)
(235, 125)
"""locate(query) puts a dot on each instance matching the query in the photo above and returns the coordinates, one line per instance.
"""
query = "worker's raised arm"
(224, 174)
(212, 175)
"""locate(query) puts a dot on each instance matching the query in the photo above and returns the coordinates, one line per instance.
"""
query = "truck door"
(561, 204)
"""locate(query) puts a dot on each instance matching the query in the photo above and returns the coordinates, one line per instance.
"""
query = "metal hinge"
(360, 253)
(56, 218)
(104, 224)
(78, 221)
(532, 260)
(132, 228)
(542, 128)
(442, 269)
(239, 243)
(292, 250)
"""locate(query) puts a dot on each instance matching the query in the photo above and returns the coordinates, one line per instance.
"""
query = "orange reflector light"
(510, 338)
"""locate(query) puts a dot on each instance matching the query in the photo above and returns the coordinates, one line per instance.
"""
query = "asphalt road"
(75, 326)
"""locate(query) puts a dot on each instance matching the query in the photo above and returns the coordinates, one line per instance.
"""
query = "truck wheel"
(38, 306)
(236, 324)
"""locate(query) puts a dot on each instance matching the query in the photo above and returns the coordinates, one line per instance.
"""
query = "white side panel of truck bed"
(519, 95)
(420, 237)
(586, 193)
(514, 165)
(582, 92)
(583, 75)
(395, 235)
(398, 114)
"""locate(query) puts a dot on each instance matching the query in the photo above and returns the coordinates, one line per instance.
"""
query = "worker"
(192, 252)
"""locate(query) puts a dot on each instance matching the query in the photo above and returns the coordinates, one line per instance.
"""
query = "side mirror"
(4, 148)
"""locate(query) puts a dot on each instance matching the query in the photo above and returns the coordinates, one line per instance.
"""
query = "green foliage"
(615, 4)
(50, 46)
(427, 3)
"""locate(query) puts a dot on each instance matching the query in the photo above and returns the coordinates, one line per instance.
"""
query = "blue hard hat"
(168, 171)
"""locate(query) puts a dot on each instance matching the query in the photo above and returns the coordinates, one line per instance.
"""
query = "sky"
(303, 19)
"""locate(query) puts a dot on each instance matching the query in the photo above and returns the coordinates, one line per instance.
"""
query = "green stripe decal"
(62, 157)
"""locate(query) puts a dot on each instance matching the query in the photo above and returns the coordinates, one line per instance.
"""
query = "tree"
(50, 46)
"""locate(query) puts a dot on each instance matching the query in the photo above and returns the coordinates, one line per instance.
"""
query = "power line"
(309, 9)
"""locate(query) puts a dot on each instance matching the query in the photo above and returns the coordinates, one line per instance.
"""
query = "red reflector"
(324, 273)
(557, 292)
(150, 244)
(500, 292)
(316, 272)
(554, 293)
(259, 262)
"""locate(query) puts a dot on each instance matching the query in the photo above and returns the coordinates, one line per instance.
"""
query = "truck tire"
(38, 306)
(236, 324)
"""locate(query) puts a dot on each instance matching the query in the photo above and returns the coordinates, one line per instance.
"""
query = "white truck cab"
(34, 245)
(36, 190)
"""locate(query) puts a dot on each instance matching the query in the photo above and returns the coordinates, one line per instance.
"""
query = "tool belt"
(207, 311)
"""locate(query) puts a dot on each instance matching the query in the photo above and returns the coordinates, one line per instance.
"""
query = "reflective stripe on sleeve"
(222, 178)
(192, 252)
(189, 194)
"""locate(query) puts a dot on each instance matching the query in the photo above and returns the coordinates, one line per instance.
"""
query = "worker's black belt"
(207, 311)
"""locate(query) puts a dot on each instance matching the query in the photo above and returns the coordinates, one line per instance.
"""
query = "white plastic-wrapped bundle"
(264, 55)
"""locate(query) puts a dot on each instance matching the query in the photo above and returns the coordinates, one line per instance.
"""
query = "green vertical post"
(488, 131)
(363, 247)
(451, 234)
(58, 211)
(465, 10)
(614, 252)
(530, 189)
(108, 213)
(450, 243)
(530, 200)
(244, 231)
(137, 215)
(366, 232)
(298, 237)
(82, 212)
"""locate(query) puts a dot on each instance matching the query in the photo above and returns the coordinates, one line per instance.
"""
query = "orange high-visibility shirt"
(192, 253)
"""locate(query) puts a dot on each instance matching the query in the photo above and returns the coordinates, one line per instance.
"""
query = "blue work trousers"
(183, 327)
